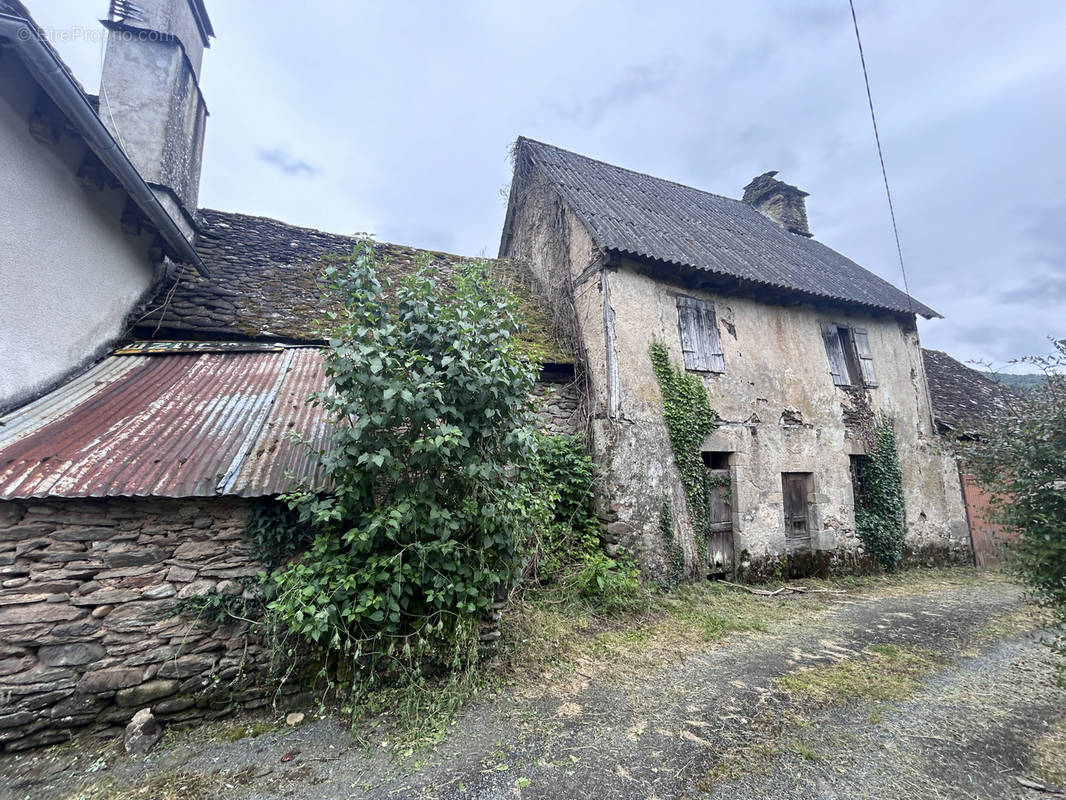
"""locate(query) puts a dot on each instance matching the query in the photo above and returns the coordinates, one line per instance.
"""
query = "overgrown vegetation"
(421, 530)
(1020, 458)
(566, 560)
(879, 512)
(689, 419)
(675, 556)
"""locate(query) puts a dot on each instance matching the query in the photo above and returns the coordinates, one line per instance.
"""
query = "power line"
(880, 155)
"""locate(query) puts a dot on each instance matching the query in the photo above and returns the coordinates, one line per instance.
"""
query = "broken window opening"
(701, 344)
(716, 459)
(851, 362)
(860, 490)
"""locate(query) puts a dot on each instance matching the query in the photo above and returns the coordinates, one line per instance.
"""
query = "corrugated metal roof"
(173, 425)
(645, 217)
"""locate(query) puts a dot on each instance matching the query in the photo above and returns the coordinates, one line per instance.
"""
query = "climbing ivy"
(689, 418)
(675, 556)
(879, 512)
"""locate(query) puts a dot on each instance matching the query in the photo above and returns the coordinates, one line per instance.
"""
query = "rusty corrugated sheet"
(173, 425)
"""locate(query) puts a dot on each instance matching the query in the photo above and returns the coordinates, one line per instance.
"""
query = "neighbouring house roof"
(21, 33)
(265, 285)
(637, 215)
(181, 423)
(963, 399)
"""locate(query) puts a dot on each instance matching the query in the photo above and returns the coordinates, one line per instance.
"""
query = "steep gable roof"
(963, 398)
(265, 286)
(637, 215)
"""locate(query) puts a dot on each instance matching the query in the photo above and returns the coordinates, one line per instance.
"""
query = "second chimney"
(150, 96)
(780, 201)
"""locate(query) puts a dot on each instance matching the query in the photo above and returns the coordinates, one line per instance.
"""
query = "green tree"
(429, 409)
(1020, 458)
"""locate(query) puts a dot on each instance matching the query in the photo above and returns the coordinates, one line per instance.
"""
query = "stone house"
(800, 349)
(963, 401)
(151, 384)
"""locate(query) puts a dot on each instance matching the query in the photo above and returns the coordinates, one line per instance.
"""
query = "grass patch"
(1021, 620)
(882, 673)
(234, 733)
(1049, 756)
(740, 762)
(805, 751)
(542, 641)
(172, 786)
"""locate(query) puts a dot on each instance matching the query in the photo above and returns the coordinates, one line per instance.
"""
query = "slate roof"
(963, 399)
(643, 217)
(264, 286)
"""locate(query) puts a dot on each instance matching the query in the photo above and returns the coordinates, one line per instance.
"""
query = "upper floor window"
(850, 361)
(700, 342)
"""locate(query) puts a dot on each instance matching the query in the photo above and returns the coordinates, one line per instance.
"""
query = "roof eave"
(919, 308)
(58, 84)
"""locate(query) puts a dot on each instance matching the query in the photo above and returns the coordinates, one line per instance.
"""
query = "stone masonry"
(88, 634)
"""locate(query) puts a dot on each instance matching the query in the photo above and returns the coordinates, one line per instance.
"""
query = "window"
(850, 361)
(700, 342)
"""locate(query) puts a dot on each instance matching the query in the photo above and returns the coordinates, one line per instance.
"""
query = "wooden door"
(719, 527)
(794, 486)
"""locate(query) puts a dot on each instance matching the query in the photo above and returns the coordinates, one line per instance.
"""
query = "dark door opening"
(795, 488)
(718, 530)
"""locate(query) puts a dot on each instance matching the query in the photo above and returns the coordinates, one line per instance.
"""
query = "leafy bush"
(1020, 457)
(879, 515)
(429, 405)
(275, 531)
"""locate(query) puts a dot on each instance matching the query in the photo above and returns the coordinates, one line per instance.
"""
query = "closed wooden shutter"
(837, 365)
(701, 343)
(866, 358)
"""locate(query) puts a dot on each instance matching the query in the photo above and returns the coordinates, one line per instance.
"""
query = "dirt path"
(926, 690)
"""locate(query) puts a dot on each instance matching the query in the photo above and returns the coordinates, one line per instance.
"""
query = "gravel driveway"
(936, 689)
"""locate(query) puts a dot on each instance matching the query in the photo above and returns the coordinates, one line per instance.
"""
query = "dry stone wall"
(88, 633)
(560, 407)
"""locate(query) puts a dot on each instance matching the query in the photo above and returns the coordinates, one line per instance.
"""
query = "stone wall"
(561, 407)
(88, 634)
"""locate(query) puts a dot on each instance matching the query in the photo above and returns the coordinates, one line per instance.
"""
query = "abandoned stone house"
(155, 357)
(800, 349)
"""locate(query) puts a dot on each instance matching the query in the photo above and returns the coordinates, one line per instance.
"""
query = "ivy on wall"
(689, 419)
(879, 511)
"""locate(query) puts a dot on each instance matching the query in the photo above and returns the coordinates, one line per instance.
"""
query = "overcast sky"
(397, 117)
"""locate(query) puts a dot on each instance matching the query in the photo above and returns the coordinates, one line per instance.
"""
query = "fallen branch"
(782, 590)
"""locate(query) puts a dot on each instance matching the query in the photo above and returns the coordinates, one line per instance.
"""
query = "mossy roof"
(265, 285)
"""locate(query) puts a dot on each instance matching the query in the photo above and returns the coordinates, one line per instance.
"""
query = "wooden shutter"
(838, 367)
(700, 342)
(866, 358)
(688, 319)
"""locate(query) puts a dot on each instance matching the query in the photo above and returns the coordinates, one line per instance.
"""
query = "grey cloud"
(281, 159)
(637, 81)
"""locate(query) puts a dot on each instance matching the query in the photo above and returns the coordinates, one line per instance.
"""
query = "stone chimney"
(779, 201)
(150, 96)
